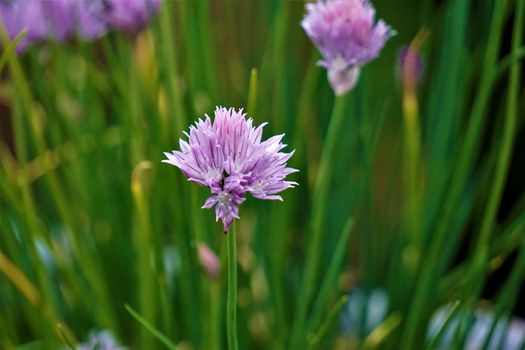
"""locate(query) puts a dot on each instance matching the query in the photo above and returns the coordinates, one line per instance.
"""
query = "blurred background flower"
(129, 15)
(346, 34)
(90, 220)
(61, 20)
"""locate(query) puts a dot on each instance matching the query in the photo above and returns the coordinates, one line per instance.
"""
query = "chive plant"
(404, 165)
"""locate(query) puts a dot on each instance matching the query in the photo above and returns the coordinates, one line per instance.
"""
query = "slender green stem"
(508, 295)
(482, 249)
(379, 335)
(481, 253)
(306, 124)
(207, 48)
(215, 314)
(413, 327)
(231, 323)
(169, 65)
(412, 141)
(29, 111)
(329, 322)
(330, 279)
(151, 328)
(252, 92)
(142, 174)
(434, 341)
(319, 202)
(507, 61)
(509, 134)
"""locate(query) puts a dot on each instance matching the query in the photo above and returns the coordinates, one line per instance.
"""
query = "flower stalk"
(320, 200)
(231, 308)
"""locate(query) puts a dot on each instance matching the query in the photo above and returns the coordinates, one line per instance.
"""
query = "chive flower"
(88, 18)
(61, 20)
(228, 156)
(130, 15)
(347, 37)
(58, 20)
(16, 15)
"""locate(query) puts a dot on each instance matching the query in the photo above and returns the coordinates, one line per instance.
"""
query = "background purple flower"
(55, 19)
(130, 15)
(51, 19)
(63, 19)
(228, 157)
(88, 18)
(347, 37)
(17, 15)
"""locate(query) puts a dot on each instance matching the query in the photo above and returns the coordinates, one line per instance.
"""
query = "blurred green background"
(90, 220)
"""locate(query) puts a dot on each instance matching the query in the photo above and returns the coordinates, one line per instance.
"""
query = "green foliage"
(393, 181)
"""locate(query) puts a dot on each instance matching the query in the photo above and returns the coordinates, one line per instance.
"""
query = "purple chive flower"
(88, 18)
(130, 15)
(42, 19)
(51, 19)
(16, 15)
(347, 37)
(54, 20)
(405, 57)
(227, 156)
(62, 19)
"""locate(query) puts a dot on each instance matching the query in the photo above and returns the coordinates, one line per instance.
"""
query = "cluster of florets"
(347, 36)
(228, 156)
(61, 20)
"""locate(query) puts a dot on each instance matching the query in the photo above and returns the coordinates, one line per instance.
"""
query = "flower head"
(17, 15)
(51, 19)
(130, 15)
(61, 20)
(347, 37)
(88, 18)
(228, 156)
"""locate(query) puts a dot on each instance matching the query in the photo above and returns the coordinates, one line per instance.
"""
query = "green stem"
(330, 280)
(412, 141)
(170, 66)
(481, 253)
(306, 125)
(413, 327)
(29, 111)
(509, 134)
(508, 295)
(142, 174)
(329, 322)
(231, 322)
(319, 202)
(482, 249)
(215, 314)
(252, 93)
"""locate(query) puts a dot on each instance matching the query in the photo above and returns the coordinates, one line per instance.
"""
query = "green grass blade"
(158, 334)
